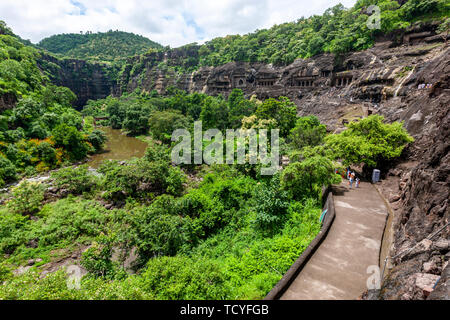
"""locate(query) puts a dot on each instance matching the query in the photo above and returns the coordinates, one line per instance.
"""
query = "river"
(118, 147)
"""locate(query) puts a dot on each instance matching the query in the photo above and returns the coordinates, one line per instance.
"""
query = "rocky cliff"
(87, 80)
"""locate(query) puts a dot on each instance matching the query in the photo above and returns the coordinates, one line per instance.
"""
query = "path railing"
(328, 217)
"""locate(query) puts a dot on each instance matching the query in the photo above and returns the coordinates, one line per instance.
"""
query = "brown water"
(118, 147)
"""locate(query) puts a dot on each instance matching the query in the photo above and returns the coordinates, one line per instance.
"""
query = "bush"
(184, 279)
(97, 259)
(164, 123)
(141, 179)
(7, 171)
(69, 138)
(97, 139)
(27, 198)
(75, 180)
(158, 234)
(136, 119)
(306, 178)
(369, 141)
(271, 206)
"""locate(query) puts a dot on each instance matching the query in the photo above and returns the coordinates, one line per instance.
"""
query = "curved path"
(338, 269)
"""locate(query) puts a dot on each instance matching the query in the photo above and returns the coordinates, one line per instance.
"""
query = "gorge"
(404, 77)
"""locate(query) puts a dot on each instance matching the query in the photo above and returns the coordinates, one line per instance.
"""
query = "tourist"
(351, 179)
(357, 183)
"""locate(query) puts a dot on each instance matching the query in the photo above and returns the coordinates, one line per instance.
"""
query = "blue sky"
(169, 22)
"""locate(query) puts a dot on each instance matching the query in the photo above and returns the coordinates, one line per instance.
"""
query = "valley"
(141, 227)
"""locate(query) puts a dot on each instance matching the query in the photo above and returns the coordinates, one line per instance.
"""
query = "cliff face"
(86, 80)
(421, 197)
(405, 78)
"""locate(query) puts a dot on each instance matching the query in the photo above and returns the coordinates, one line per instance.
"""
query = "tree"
(306, 178)
(71, 140)
(163, 123)
(271, 206)
(283, 110)
(7, 170)
(214, 114)
(369, 141)
(136, 119)
(308, 131)
(97, 138)
(239, 108)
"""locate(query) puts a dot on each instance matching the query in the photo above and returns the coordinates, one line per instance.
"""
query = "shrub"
(163, 123)
(97, 259)
(271, 206)
(184, 279)
(97, 139)
(7, 171)
(140, 179)
(27, 198)
(75, 180)
(305, 179)
(69, 138)
(369, 141)
(158, 234)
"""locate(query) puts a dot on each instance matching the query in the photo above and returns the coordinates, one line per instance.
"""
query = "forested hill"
(104, 47)
(338, 30)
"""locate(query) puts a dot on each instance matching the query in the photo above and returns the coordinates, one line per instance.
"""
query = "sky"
(168, 22)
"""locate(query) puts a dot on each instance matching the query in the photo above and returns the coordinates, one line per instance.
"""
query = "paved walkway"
(338, 269)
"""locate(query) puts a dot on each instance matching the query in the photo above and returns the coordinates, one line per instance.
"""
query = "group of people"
(424, 86)
(351, 177)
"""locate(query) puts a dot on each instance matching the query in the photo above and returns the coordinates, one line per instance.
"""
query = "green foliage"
(75, 180)
(136, 119)
(27, 198)
(163, 123)
(271, 206)
(214, 114)
(108, 46)
(140, 179)
(307, 132)
(184, 278)
(97, 139)
(239, 108)
(306, 178)
(97, 258)
(7, 171)
(71, 140)
(369, 141)
(282, 110)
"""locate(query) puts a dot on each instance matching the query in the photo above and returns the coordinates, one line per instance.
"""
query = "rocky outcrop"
(89, 81)
(422, 208)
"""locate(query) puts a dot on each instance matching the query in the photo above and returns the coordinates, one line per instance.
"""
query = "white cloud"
(169, 22)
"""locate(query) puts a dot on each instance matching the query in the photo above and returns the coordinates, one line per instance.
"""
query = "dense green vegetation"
(102, 46)
(338, 30)
(40, 130)
(197, 231)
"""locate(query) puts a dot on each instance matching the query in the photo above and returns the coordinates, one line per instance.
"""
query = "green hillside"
(106, 47)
